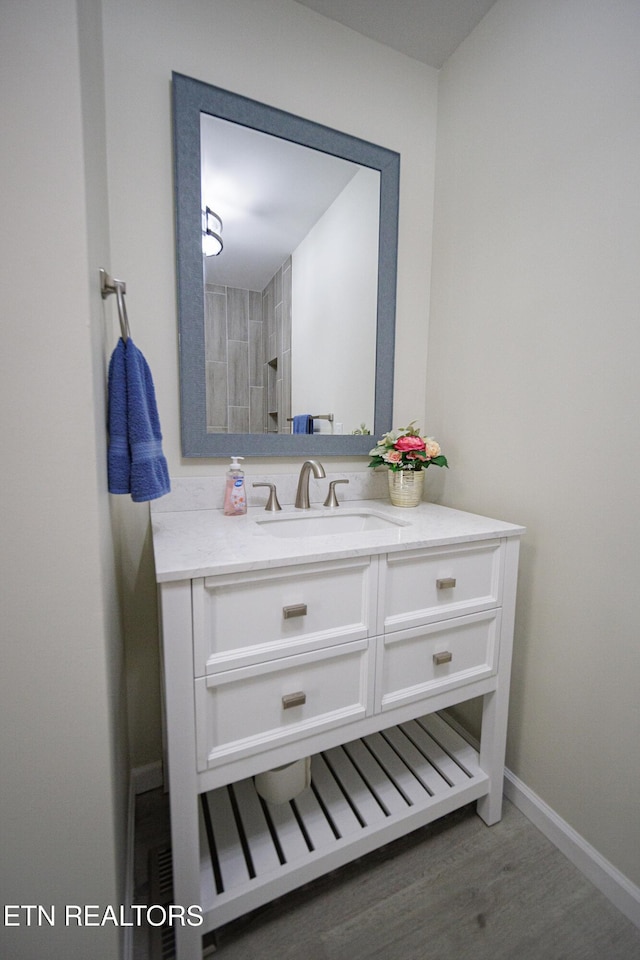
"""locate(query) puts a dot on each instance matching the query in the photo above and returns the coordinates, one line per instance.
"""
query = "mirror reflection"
(286, 260)
(290, 273)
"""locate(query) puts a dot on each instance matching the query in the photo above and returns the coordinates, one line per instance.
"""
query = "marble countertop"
(200, 543)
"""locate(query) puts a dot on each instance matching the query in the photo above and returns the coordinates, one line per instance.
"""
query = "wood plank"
(434, 752)
(376, 778)
(339, 810)
(452, 742)
(290, 836)
(207, 880)
(422, 769)
(261, 846)
(231, 860)
(314, 820)
(361, 797)
(397, 769)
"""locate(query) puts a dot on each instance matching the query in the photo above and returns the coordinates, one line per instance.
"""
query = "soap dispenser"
(235, 500)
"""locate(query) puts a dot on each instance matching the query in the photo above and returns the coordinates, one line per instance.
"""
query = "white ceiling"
(427, 30)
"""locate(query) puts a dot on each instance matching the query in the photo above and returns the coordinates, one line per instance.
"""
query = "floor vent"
(162, 945)
(161, 939)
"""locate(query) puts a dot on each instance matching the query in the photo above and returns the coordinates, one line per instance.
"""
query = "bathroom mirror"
(295, 317)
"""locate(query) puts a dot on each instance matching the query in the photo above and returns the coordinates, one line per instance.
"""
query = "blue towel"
(303, 423)
(118, 457)
(135, 461)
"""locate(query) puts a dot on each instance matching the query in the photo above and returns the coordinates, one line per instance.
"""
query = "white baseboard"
(147, 777)
(622, 893)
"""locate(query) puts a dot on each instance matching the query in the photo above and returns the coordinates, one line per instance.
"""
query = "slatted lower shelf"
(363, 794)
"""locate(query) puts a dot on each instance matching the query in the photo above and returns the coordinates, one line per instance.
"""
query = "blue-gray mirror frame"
(190, 99)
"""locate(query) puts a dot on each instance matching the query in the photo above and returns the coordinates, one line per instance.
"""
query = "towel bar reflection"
(317, 416)
(109, 285)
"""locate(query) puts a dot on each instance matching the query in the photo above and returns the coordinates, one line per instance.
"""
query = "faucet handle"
(272, 502)
(332, 500)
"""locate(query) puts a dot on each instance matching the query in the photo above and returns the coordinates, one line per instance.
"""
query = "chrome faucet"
(302, 495)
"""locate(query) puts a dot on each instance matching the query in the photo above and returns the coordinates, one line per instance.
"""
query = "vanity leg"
(175, 598)
(186, 875)
(495, 708)
(492, 745)
(188, 943)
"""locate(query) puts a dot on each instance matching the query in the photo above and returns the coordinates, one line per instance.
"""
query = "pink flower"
(392, 456)
(409, 443)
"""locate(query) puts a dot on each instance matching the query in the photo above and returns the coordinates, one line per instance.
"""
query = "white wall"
(281, 53)
(63, 765)
(334, 302)
(533, 377)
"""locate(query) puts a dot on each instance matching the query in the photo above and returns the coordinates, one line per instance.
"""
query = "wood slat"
(465, 755)
(264, 854)
(339, 810)
(207, 878)
(231, 860)
(422, 769)
(313, 819)
(434, 752)
(361, 797)
(396, 768)
(376, 778)
(290, 836)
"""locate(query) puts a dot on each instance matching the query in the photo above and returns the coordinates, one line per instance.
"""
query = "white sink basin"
(324, 524)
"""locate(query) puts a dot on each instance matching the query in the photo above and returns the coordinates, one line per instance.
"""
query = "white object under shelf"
(363, 794)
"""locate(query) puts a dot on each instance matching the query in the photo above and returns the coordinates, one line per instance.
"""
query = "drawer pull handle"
(446, 583)
(445, 656)
(293, 700)
(295, 610)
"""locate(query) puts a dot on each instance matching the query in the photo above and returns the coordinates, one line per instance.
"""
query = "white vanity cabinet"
(350, 657)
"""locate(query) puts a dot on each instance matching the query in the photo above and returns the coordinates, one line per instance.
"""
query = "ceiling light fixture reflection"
(211, 233)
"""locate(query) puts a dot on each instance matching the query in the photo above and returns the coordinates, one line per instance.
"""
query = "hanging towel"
(118, 458)
(303, 423)
(136, 464)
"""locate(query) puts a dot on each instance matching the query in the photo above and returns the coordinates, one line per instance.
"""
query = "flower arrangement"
(405, 449)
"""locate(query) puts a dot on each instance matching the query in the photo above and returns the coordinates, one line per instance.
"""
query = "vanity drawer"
(430, 659)
(245, 618)
(249, 710)
(422, 586)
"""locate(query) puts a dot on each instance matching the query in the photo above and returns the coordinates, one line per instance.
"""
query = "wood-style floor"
(455, 890)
